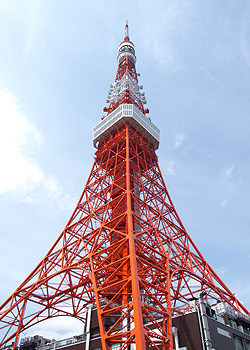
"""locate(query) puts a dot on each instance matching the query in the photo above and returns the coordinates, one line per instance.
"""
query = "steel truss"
(124, 249)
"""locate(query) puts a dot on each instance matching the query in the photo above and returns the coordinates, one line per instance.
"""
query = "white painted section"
(124, 84)
(127, 113)
(88, 327)
(176, 338)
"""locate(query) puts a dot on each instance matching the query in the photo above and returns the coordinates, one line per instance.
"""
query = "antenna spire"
(126, 32)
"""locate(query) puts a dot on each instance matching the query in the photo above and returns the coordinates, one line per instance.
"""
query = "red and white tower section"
(124, 248)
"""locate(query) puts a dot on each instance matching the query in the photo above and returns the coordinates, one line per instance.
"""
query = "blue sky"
(57, 61)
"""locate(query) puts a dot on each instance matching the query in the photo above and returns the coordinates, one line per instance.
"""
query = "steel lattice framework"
(124, 248)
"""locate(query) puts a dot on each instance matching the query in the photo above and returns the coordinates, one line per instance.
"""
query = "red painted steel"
(124, 249)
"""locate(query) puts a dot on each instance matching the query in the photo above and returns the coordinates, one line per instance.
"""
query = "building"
(200, 328)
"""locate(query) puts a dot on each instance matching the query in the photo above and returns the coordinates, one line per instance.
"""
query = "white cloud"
(221, 270)
(165, 24)
(21, 174)
(15, 134)
(169, 167)
(179, 138)
(57, 328)
(229, 184)
(224, 203)
(244, 36)
(242, 291)
(227, 172)
(32, 24)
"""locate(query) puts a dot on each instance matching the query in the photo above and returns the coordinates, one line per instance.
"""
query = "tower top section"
(126, 100)
(126, 48)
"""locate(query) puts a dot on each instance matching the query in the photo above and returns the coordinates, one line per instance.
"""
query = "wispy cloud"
(242, 290)
(227, 172)
(164, 23)
(244, 36)
(179, 138)
(170, 167)
(21, 175)
(32, 24)
(221, 270)
(229, 184)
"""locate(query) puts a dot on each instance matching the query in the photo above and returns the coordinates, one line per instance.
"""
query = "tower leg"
(138, 320)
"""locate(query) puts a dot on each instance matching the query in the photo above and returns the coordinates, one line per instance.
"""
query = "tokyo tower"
(124, 249)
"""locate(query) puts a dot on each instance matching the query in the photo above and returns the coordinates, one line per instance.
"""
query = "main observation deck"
(129, 114)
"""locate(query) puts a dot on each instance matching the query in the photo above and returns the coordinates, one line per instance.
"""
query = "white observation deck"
(130, 114)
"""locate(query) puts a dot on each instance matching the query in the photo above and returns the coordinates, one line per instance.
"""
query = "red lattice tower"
(124, 248)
